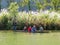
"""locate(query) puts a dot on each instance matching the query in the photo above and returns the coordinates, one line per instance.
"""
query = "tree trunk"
(0, 5)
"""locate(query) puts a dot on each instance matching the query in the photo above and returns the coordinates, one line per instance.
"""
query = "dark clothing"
(14, 28)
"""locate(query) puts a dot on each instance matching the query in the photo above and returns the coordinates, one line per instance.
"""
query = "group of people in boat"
(30, 28)
(33, 29)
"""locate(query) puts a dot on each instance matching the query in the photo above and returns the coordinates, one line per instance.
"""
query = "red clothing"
(29, 29)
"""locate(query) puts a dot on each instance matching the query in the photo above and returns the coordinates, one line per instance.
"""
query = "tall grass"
(49, 20)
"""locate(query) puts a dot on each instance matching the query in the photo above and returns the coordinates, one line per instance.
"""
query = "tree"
(8, 2)
(13, 10)
(0, 4)
(41, 4)
(29, 4)
(55, 4)
(24, 3)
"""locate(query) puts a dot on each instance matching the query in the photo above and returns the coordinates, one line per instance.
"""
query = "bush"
(48, 21)
(4, 22)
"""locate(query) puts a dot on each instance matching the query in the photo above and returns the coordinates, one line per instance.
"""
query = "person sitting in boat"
(33, 28)
(25, 28)
(29, 29)
(41, 29)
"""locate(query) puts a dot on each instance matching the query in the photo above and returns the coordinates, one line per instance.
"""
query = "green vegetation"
(48, 21)
(22, 19)
(13, 11)
(54, 4)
